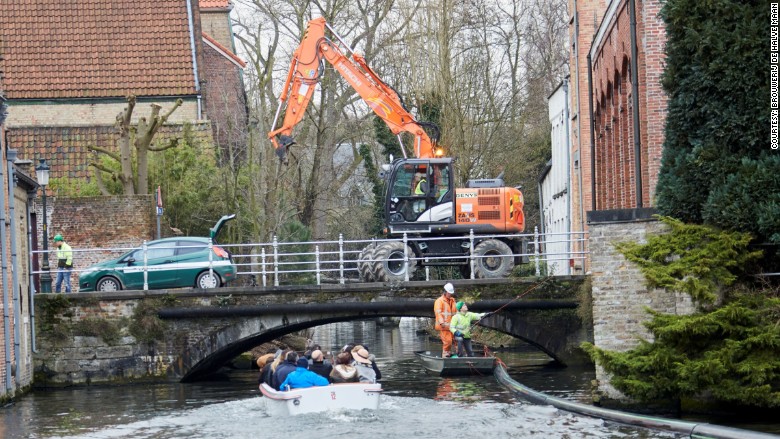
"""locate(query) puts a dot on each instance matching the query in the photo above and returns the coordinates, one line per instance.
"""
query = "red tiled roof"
(208, 4)
(224, 50)
(95, 48)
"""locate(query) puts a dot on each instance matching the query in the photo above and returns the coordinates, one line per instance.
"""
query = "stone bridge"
(181, 335)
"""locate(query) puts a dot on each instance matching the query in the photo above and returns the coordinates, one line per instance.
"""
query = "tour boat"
(453, 366)
(345, 396)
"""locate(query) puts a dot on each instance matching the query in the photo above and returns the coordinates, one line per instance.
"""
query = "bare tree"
(486, 67)
(134, 181)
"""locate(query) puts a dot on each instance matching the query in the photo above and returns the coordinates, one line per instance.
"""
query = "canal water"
(414, 404)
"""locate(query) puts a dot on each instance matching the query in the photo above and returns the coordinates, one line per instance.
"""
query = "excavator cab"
(419, 194)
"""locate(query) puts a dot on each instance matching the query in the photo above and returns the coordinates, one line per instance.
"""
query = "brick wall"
(18, 304)
(584, 16)
(620, 295)
(75, 114)
(613, 105)
(116, 222)
(224, 102)
(217, 25)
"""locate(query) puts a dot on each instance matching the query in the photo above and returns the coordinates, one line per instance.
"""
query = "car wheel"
(206, 280)
(108, 284)
(493, 259)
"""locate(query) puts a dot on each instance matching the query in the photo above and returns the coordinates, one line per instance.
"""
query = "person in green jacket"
(460, 325)
(64, 263)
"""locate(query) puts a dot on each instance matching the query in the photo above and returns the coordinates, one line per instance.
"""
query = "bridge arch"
(207, 354)
(205, 329)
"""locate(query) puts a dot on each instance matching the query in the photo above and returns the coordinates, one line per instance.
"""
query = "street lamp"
(42, 173)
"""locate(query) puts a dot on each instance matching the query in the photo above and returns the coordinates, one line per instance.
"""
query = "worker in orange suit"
(444, 308)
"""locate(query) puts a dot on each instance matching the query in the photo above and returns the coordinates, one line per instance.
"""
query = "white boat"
(346, 396)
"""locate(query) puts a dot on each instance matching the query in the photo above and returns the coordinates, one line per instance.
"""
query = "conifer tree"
(717, 166)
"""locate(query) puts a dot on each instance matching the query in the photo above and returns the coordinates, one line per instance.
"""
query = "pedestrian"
(64, 263)
(444, 309)
(302, 377)
(460, 326)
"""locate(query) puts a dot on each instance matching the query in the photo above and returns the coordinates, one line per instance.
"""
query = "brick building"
(66, 85)
(603, 176)
(616, 138)
(617, 130)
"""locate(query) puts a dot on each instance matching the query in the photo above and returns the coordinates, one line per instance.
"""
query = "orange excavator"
(421, 200)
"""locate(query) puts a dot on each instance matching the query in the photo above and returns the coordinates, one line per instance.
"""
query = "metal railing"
(338, 261)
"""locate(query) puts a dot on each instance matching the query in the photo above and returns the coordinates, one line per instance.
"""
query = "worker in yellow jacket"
(460, 326)
(64, 263)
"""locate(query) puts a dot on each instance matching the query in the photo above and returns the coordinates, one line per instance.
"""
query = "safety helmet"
(58, 237)
(459, 305)
(449, 288)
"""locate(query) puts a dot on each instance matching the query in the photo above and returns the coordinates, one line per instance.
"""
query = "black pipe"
(356, 307)
(692, 429)
(592, 136)
(635, 102)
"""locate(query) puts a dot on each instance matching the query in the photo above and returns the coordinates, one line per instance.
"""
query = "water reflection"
(415, 403)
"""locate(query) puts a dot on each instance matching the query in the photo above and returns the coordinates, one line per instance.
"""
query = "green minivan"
(170, 263)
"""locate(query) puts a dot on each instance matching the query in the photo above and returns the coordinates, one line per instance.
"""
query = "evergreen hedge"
(717, 166)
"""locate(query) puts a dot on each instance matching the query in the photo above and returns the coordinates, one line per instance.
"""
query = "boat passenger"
(343, 371)
(302, 377)
(285, 369)
(266, 376)
(318, 364)
(262, 362)
(362, 363)
(373, 361)
(460, 326)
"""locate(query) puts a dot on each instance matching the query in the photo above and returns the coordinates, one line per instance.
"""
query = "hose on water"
(692, 429)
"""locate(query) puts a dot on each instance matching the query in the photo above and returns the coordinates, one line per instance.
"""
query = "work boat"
(454, 366)
(345, 396)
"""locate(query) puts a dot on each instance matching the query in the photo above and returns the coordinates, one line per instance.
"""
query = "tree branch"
(172, 143)
(111, 154)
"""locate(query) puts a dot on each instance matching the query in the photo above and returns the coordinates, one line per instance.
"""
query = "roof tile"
(208, 4)
(94, 48)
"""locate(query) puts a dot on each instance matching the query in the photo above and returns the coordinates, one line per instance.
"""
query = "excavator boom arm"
(304, 74)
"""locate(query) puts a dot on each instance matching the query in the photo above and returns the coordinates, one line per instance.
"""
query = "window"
(187, 247)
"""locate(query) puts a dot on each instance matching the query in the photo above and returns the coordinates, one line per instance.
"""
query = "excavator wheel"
(389, 262)
(493, 259)
(365, 264)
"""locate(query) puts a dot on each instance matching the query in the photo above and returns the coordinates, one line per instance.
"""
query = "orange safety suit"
(444, 308)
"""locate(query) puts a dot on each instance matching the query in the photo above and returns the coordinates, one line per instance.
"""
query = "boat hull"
(346, 396)
(456, 366)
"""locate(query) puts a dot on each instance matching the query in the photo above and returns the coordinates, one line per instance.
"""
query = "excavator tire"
(365, 264)
(493, 259)
(389, 262)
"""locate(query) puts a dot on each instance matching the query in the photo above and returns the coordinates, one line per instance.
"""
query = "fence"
(338, 261)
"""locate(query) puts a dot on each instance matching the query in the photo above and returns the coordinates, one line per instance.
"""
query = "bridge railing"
(340, 261)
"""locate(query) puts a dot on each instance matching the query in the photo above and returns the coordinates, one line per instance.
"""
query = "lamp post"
(42, 173)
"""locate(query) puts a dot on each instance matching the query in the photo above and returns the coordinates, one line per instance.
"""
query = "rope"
(519, 296)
